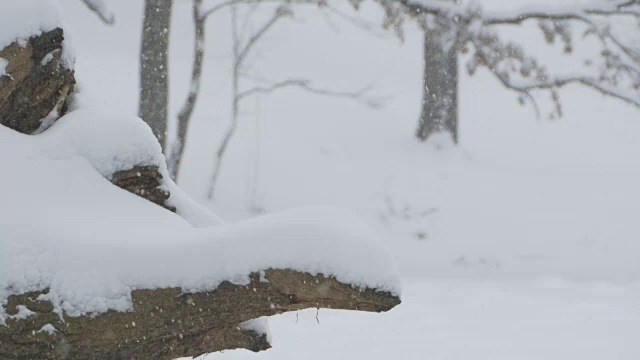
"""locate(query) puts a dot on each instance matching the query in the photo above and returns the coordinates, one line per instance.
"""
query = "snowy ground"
(467, 319)
(521, 243)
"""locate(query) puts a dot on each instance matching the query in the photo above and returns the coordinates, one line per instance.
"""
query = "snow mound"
(26, 18)
(259, 325)
(48, 328)
(110, 142)
(113, 142)
(67, 228)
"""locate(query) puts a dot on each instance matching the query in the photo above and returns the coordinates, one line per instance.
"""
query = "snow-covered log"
(88, 271)
(168, 323)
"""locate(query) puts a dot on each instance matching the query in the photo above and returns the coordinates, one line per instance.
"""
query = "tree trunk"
(440, 92)
(235, 102)
(154, 67)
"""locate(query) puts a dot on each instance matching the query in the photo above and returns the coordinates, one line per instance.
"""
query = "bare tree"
(240, 52)
(451, 28)
(154, 67)
(184, 116)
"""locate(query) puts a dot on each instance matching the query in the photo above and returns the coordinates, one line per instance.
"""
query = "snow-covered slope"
(67, 228)
(468, 319)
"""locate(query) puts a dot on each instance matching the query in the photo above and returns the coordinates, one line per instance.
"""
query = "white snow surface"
(259, 325)
(112, 142)
(514, 8)
(26, 18)
(23, 313)
(66, 228)
(49, 329)
(468, 319)
(3, 67)
(109, 141)
(101, 8)
(519, 243)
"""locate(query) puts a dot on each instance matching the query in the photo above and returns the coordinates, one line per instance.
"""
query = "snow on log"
(122, 149)
(168, 323)
(90, 271)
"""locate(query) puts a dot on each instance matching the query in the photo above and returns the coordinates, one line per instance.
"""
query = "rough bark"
(37, 83)
(144, 181)
(440, 82)
(154, 67)
(166, 323)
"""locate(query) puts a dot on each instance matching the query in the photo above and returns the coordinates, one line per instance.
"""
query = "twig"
(184, 117)
(98, 7)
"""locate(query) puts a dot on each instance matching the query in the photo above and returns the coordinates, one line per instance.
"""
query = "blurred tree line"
(451, 30)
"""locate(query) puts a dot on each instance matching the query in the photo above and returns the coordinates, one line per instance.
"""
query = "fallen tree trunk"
(166, 323)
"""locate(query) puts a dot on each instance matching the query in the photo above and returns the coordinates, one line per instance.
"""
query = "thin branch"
(222, 5)
(99, 8)
(303, 84)
(588, 82)
(258, 35)
(184, 117)
(526, 89)
(240, 54)
(228, 3)
(562, 12)
(359, 23)
(235, 80)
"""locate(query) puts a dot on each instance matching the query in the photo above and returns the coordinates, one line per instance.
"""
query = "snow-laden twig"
(100, 9)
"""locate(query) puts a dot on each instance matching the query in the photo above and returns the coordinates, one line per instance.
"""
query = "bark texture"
(36, 85)
(166, 323)
(144, 181)
(440, 81)
(154, 67)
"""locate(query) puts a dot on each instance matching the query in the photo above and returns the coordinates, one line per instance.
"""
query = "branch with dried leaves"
(617, 74)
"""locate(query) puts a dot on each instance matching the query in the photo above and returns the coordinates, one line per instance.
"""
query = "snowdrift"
(65, 227)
